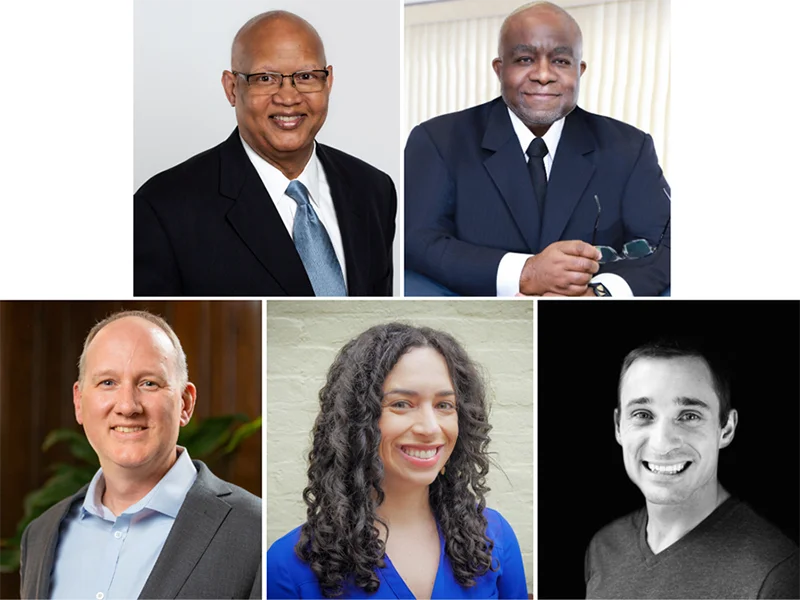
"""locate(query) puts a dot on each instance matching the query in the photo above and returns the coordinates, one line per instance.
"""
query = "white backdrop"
(181, 48)
(449, 48)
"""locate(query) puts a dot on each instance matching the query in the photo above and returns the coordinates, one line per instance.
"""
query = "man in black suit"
(269, 212)
(510, 197)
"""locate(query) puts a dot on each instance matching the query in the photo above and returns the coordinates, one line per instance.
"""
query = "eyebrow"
(680, 401)
(527, 48)
(405, 392)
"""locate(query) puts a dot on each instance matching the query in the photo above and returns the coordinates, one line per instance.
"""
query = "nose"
(665, 437)
(542, 71)
(287, 94)
(127, 402)
(426, 423)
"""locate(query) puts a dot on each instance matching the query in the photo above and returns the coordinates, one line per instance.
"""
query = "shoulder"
(53, 515)
(620, 534)
(608, 130)
(475, 115)
(755, 536)
(192, 173)
(352, 165)
(246, 504)
(286, 572)
(499, 530)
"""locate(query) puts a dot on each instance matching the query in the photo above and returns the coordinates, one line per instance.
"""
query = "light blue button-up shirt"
(105, 557)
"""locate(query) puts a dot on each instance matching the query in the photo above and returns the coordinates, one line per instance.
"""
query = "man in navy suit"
(269, 212)
(515, 196)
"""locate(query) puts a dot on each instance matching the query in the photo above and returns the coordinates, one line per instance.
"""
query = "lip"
(542, 95)
(129, 435)
(288, 125)
(421, 462)
(667, 476)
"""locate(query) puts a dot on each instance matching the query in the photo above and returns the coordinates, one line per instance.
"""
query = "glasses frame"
(283, 76)
(625, 256)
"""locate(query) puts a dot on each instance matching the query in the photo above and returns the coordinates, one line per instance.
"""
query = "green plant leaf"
(9, 560)
(79, 446)
(210, 435)
(56, 488)
(242, 433)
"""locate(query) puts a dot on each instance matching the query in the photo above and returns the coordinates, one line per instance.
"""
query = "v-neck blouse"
(290, 577)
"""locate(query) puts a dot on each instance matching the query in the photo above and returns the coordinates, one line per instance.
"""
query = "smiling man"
(693, 539)
(269, 212)
(510, 196)
(152, 523)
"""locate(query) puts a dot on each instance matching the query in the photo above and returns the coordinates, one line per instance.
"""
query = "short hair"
(684, 348)
(180, 356)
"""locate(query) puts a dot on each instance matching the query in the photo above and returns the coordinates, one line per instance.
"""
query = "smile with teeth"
(667, 469)
(128, 429)
(423, 454)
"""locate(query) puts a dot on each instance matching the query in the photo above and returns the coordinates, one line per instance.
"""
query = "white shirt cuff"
(509, 271)
(618, 287)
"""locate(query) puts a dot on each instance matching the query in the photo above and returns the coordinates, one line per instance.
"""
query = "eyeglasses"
(633, 249)
(269, 83)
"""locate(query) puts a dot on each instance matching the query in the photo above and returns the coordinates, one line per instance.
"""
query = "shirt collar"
(525, 135)
(166, 496)
(276, 182)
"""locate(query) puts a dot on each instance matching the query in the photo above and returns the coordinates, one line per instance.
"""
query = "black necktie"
(536, 153)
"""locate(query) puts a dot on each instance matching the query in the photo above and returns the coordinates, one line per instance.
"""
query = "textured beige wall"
(302, 340)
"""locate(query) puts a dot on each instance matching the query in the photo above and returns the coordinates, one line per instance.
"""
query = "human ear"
(77, 401)
(616, 427)
(229, 85)
(188, 399)
(727, 432)
(497, 65)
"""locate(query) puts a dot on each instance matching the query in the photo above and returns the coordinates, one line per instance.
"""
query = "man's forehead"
(279, 35)
(669, 382)
(129, 333)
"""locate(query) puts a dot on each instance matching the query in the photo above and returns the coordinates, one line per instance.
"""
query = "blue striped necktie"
(314, 246)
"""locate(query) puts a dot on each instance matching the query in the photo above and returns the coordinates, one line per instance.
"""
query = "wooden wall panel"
(40, 343)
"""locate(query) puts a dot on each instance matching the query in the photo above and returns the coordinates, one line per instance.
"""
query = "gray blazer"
(212, 551)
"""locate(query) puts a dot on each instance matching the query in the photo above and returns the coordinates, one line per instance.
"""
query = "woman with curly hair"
(397, 480)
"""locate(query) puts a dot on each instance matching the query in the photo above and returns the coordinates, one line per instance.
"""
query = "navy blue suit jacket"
(208, 227)
(469, 198)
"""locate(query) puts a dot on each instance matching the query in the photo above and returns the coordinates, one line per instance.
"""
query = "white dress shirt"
(510, 268)
(313, 177)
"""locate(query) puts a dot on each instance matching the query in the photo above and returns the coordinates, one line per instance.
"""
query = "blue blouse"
(290, 577)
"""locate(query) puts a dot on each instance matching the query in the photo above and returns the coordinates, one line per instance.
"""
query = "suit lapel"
(43, 563)
(569, 176)
(256, 220)
(198, 520)
(347, 204)
(508, 170)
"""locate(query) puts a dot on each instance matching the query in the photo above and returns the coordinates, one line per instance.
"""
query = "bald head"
(275, 23)
(538, 11)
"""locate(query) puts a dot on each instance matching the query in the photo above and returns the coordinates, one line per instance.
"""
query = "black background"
(582, 483)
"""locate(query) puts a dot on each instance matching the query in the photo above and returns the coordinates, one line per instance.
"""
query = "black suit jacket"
(469, 197)
(208, 227)
(212, 551)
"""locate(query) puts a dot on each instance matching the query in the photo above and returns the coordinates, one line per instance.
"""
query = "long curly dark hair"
(340, 541)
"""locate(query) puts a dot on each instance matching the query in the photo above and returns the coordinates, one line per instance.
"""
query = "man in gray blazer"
(152, 523)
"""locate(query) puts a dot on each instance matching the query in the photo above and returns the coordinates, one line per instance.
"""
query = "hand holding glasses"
(305, 82)
(634, 249)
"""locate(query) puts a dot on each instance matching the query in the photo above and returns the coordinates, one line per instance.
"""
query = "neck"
(125, 487)
(405, 506)
(291, 164)
(668, 523)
